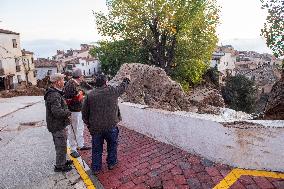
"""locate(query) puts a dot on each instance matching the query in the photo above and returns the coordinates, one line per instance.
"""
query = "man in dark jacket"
(57, 118)
(74, 98)
(101, 114)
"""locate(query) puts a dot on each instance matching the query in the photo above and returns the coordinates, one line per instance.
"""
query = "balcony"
(18, 68)
(2, 72)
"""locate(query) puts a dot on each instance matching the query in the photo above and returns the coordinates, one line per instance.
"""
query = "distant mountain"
(257, 45)
(47, 47)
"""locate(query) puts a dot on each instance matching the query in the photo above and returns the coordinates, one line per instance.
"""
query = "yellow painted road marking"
(235, 174)
(86, 179)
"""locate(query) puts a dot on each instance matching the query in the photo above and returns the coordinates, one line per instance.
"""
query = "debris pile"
(275, 105)
(208, 99)
(151, 86)
(44, 83)
(22, 91)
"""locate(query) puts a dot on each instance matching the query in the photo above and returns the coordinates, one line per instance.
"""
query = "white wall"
(89, 66)
(42, 72)
(252, 148)
(8, 54)
(227, 62)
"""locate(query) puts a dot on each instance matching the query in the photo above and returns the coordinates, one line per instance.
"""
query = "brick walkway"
(146, 163)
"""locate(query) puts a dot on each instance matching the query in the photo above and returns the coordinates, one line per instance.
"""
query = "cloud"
(256, 44)
(44, 48)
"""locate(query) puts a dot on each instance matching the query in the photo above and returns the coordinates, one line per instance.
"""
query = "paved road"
(26, 148)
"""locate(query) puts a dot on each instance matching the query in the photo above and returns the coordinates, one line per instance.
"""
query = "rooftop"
(8, 32)
(24, 52)
(42, 63)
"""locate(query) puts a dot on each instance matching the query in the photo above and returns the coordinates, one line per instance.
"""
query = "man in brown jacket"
(101, 114)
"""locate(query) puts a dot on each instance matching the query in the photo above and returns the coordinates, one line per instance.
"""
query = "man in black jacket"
(57, 118)
(101, 114)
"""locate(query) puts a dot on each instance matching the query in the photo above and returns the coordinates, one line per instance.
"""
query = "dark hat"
(100, 80)
(77, 73)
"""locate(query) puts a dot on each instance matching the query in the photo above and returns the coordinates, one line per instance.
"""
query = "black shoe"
(111, 167)
(69, 162)
(84, 148)
(75, 154)
(64, 168)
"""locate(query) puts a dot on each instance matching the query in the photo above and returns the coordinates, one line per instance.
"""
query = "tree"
(113, 54)
(239, 93)
(176, 35)
(273, 29)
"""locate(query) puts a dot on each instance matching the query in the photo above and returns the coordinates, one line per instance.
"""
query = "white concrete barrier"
(250, 148)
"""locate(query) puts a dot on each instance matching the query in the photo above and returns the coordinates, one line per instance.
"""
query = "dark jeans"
(60, 143)
(111, 137)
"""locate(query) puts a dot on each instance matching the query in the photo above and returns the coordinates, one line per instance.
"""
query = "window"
(69, 67)
(19, 78)
(82, 64)
(89, 71)
(15, 45)
(17, 61)
(84, 72)
(35, 73)
(49, 72)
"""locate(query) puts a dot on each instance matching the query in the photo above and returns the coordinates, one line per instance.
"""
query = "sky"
(62, 24)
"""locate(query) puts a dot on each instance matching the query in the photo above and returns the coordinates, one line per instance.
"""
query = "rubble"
(22, 91)
(151, 86)
(274, 109)
(44, 83)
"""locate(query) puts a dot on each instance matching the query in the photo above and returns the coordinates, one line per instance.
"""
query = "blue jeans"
(111, 137)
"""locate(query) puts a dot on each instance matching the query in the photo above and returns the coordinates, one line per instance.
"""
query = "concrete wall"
(252, 148)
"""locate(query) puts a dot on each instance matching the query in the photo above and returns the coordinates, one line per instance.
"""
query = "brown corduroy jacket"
(100, 107)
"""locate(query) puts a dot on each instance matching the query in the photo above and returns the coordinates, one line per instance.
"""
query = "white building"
(12, 61)
(224, 58)
(45, 67)
(89, 66)
(71, 54)
(81, 59)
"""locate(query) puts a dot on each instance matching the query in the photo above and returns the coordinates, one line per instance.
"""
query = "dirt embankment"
(153, 87)
(275, 105)
(22, 91)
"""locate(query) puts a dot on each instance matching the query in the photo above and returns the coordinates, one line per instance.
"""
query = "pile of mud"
(22, 91)
(151, 86)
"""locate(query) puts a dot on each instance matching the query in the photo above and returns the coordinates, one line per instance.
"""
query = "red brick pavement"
(146, 163)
